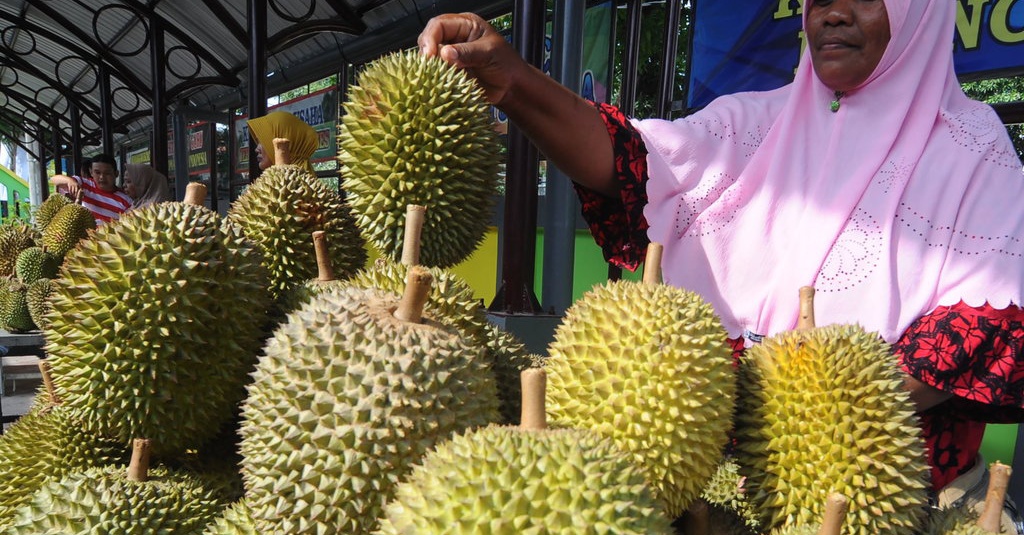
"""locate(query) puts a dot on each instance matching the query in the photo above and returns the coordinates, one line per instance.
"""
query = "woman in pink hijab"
(145, 185)
(871, 177)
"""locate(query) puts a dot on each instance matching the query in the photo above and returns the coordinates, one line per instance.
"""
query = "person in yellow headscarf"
(304, 139)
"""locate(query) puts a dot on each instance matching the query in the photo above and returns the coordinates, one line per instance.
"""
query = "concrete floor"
(21, 380)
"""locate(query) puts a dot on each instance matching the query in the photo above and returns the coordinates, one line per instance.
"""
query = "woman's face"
(129, 186)
(847, 39)
(262, 158)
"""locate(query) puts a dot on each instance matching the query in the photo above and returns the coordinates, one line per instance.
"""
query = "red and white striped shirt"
(105, 205)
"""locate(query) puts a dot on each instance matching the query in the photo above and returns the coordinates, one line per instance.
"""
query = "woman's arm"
(565, 127)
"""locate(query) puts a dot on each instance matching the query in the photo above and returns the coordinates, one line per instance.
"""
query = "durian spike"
(325, 272)
(806, 319)
(195, 194)
(836, 507)
(991, 519)
(534, 384)
(44, 369)
(417, 290)
(697, 518)
(652, 263)
(138, 468)
(414, 216)
(282, 151)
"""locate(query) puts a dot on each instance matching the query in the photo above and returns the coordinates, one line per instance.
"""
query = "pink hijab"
(906, 199)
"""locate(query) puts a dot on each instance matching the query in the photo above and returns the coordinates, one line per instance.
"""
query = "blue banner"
(755, 45)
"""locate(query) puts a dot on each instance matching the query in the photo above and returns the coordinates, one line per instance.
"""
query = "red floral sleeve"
(618, 224)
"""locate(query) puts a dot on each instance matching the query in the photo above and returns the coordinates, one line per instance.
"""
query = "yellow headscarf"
(304, 140)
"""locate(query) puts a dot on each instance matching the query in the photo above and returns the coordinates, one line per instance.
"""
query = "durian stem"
(836, 507)
(806, 319)
(78, 196)
(325, 272)
(44, 369)
(414, 217)
(991, 519)
(138, 468)
(652, 263)
(195, 194)
(697, 518)
(282, 151)
(417, 290)
(534, 385)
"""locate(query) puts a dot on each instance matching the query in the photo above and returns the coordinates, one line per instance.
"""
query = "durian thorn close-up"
(533, 414)
(282, 151)
(325, 271)
(417, 291)
(138, 467)
(415, 216)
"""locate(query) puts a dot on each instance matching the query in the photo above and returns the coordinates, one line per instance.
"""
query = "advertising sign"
(319, 110)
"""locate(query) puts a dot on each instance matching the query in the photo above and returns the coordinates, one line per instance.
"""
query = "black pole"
(158, 60)
(516, 295)
(668, 65)
(76, 136)
(58, 151)
(627, 94)
(106, 115)
(257, 74)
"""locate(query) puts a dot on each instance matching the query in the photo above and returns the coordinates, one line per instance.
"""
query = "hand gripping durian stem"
(697, 518)
(652, 263)
(195, 194)
(806, 319)
(417, 290)
(991, 519)
(44, 369)
(534, 383)
(325, 272)
(282, 151)
(138, 468)
(836, 507)
(414, 217)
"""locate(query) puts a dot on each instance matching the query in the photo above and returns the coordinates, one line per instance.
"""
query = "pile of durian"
(250, 374)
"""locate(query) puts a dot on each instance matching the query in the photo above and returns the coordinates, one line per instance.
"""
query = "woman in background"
(145, 185)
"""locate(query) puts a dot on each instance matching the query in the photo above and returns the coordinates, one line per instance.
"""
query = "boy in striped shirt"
(99, 193)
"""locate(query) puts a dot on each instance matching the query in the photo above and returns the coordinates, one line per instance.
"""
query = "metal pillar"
(158, 62)
(180, 131)
(76, 136)
(58, 151)
(673, 11)
(257, 74)
(562, 205)
(106, 115)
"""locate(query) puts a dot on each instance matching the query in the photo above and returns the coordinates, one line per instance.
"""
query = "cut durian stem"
(991, 519)
(697, 518)
(652, 263)
(138, 468)
(44, 369)
(78, 196)
(414, 217)
(417, 290)
(806, 319)
(195, 194)
(325, 272)
(282, 151)
(836, 507)
(534, 385)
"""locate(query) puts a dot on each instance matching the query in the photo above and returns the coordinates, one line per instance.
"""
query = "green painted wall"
(15, 184)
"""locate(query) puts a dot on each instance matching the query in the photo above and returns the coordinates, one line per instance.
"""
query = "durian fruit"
(354, 387)
(114, 500)
(729, 508)
(234, 520)
(452, 302)
(137, 326)
(37, 299)
(14, 312)
(36, 263)
(70, 224)
(836, 507)
(528, 479)
(295, 296)
(46, 444)
(14, 238)
(282, 208)
(824, 410)
(648, 365)
(419, 131)
(47, 209)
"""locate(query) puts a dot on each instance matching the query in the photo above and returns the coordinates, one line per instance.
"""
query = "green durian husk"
(69, 225)
(14, 238)
(419, 131)
(36, 263)
(728, 503)
(281, 210)
(953, 521)
(507, 480)
(137, 329)
(14, 312)
(234, 520)
(649, 366)
(822, 411)
(345, 401)
(47, 209)
(105, 501)
(37, 298)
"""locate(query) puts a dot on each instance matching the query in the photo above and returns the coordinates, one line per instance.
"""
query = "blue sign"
(755, 45)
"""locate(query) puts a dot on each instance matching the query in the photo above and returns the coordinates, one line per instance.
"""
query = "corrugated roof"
(56, 54)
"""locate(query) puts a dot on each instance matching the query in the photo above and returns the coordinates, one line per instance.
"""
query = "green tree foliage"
(1001, 90)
